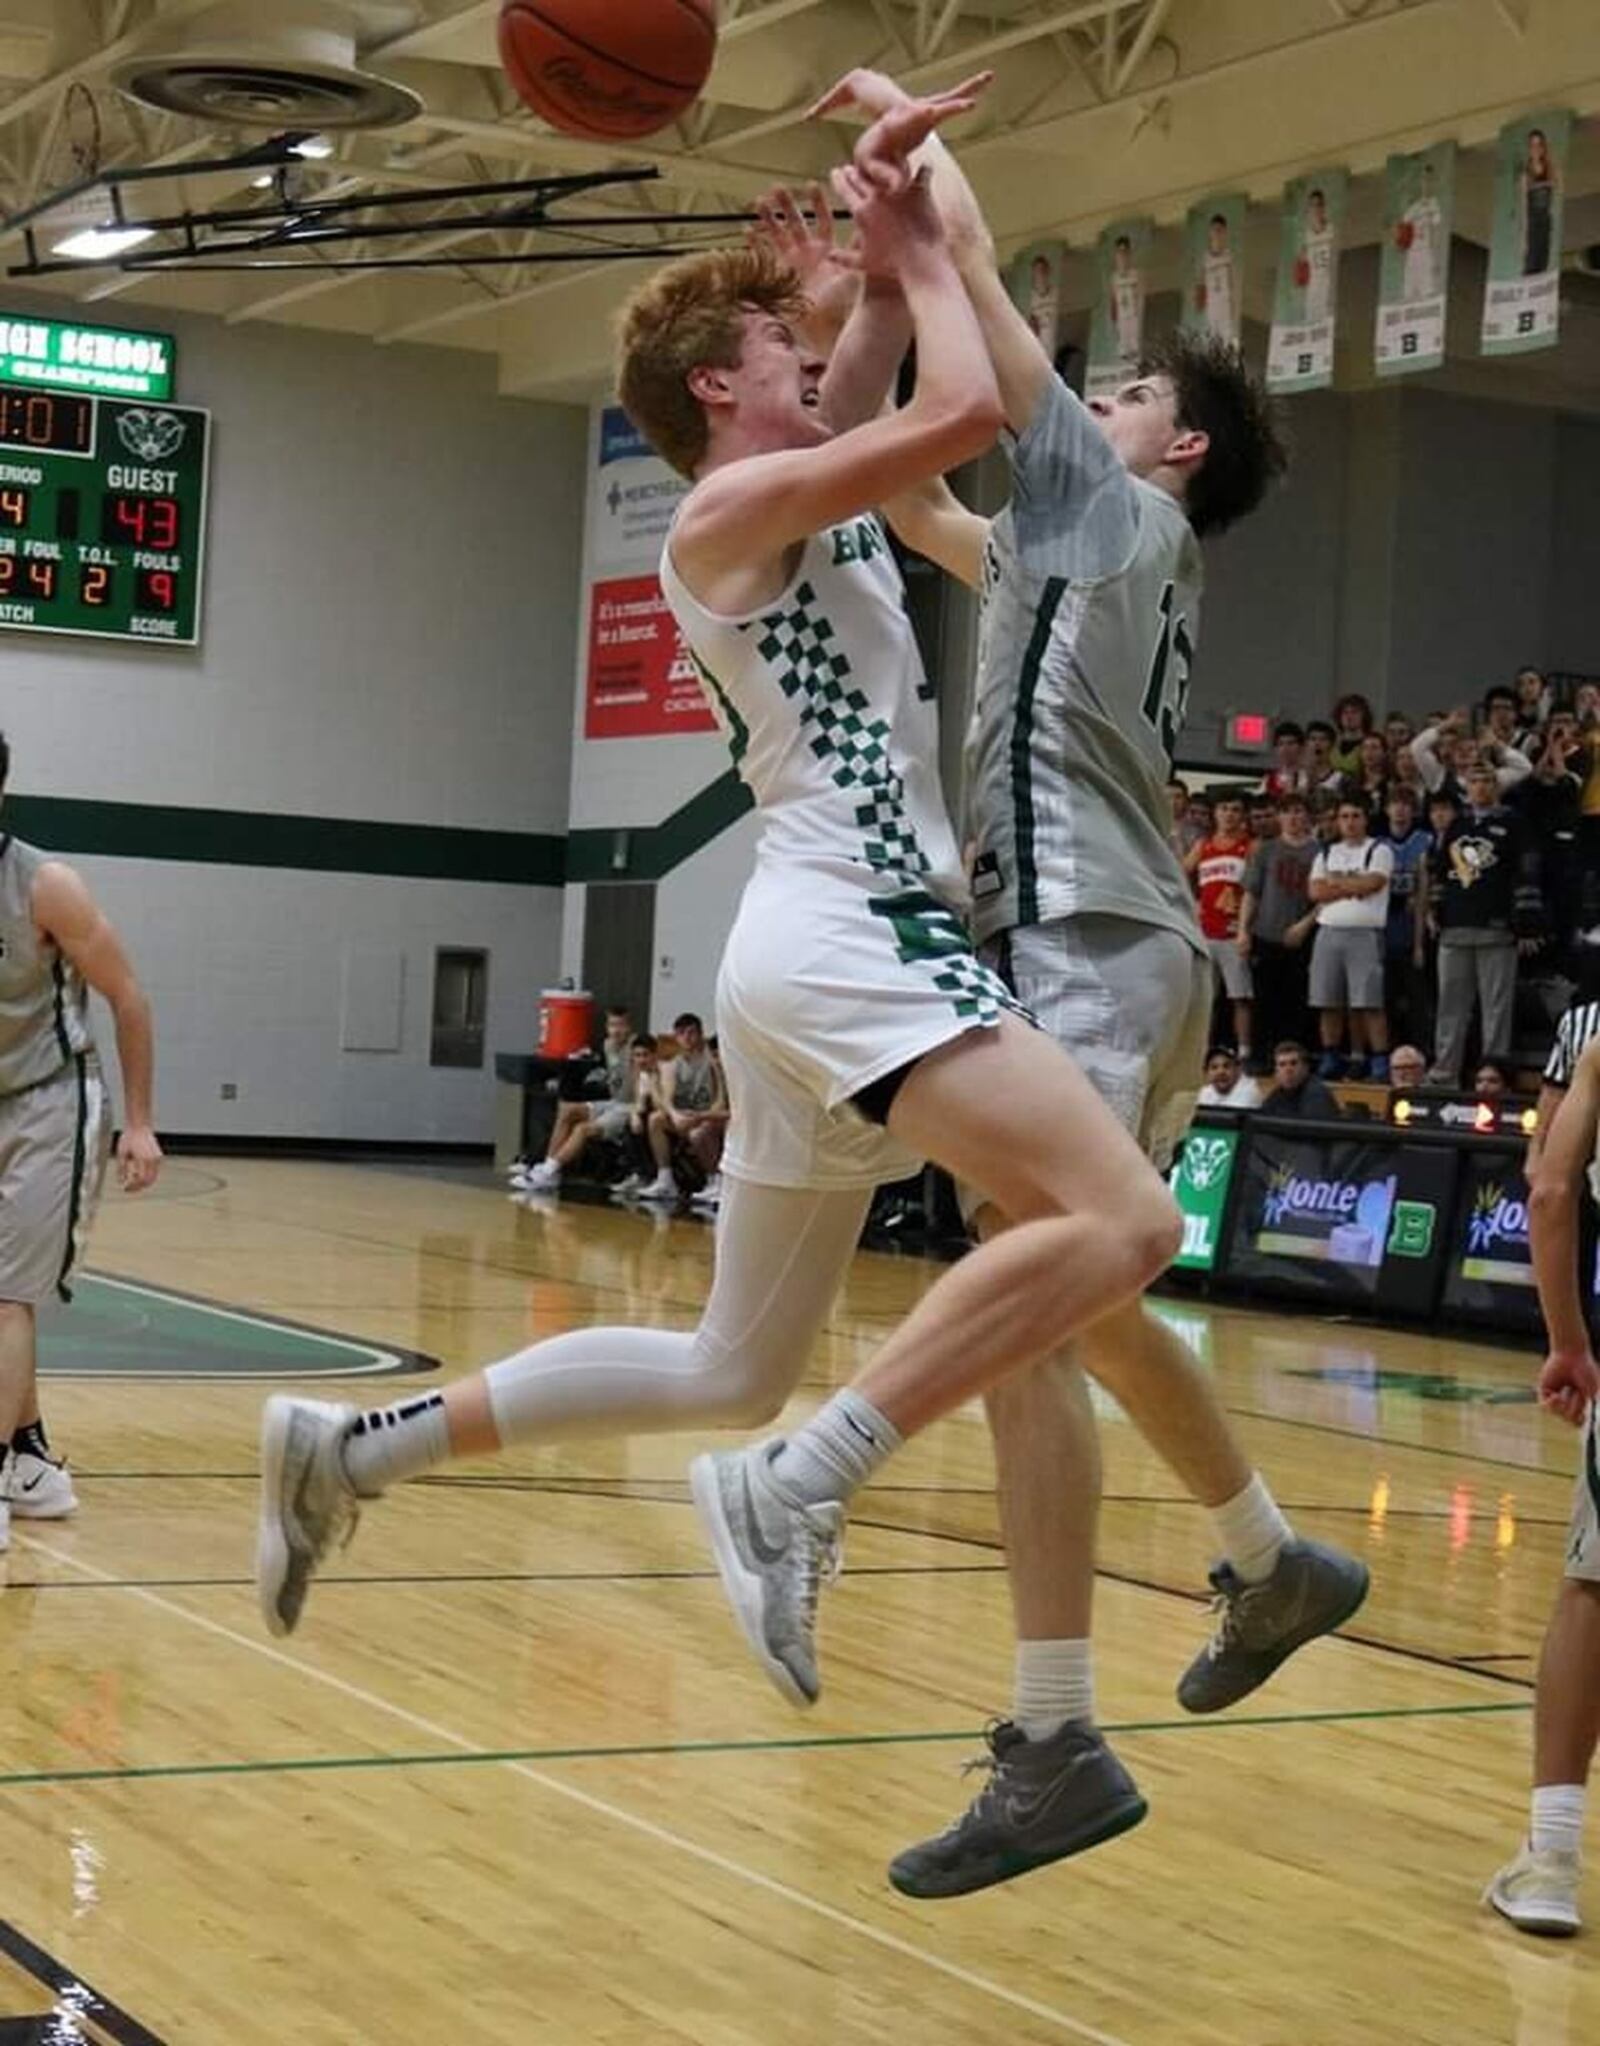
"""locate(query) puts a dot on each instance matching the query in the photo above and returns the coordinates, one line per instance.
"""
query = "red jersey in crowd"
(1219, 881)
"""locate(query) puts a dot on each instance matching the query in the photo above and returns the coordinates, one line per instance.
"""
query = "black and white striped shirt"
(1575, 1032)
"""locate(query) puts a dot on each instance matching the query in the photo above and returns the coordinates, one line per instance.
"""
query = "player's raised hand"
(882, 155)
(893, 228)
(803, 235)
(1568, 1384)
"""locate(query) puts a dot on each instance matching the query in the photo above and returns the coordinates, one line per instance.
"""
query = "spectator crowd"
(1427, 884)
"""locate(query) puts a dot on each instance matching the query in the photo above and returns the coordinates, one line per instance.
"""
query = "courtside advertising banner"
(639, 681)
(1306, 296)
(1034, 280)
(1522, 294)
(1490, 1273)
(1213, 266)
(1200, 1180)
(1341, 1220)
(1414, 272)
(1116, 332)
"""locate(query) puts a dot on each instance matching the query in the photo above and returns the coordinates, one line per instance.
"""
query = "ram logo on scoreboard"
(102, 515)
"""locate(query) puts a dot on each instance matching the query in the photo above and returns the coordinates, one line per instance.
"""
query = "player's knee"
(12, 1311)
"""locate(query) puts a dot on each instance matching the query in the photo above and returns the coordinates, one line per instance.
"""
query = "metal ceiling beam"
(91, 64)
(965, 57)
(1154, 21)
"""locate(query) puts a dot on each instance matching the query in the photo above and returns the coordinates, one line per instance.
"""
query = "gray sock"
(835, 1452)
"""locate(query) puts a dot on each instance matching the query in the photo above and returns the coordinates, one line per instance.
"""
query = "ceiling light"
(265, 182)
(103, 241)
(314, 146)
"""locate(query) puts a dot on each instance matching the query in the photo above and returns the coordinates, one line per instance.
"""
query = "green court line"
(325, 1764)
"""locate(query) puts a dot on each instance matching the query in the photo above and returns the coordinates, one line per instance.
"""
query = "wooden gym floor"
(515, 1781)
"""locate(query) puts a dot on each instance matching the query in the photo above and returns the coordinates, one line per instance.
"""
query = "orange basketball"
(614, 69)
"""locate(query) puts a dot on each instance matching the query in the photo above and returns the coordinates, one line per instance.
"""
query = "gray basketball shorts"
(1238, 982)
(1131, 1003)
(53, 1144)
(1583, 1536)
(1347, 968)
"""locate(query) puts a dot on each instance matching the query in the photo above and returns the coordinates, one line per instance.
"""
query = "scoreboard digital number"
(102, 515)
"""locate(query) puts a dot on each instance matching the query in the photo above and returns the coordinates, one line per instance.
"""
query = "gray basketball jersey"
(44, 1019)
(1090, 607)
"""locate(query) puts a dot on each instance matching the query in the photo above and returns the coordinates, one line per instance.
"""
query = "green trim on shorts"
(1022, 750)
(75, 1205)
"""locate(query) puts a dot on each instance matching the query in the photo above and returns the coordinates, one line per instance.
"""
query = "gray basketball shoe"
(774, 1554)
(1312, 1590)
(1043, 1801)
(307, 1503)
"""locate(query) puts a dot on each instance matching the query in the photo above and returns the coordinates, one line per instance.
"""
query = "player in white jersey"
(1127, 300)
(1316, 253)
(1219, 281)
(859, 1031)
(1422, 242)
(55, 945)
(1538, 1890)
(1091, 582)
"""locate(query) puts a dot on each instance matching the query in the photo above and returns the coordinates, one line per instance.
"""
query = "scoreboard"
(102, 515)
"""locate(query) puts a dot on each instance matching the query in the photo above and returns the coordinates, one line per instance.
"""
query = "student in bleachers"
(1295, 1090)
(1217, 868)
(1276, 922)
(1228, 1085)
(1479, 883)
(1350, 886)
(1407, 991)
(1352, 718)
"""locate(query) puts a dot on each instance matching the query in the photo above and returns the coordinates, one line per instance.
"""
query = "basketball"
(613, 69)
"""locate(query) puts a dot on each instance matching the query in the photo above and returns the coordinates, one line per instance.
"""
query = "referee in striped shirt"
(1575, 1032)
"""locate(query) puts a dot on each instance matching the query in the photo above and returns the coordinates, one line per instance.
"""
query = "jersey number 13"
(1166, 694)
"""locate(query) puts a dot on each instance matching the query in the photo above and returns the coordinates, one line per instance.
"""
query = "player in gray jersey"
(55, 945)
(1091, 582)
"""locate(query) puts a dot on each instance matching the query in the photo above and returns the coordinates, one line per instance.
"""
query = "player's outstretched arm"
(67, 913)
(934, 522)
(1022, 368)
(953, 415)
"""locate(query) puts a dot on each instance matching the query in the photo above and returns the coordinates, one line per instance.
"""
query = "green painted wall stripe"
(255, 838)
(349, 845)
(654, 850)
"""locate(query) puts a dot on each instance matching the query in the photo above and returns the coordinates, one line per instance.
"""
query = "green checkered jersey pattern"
(830, 718)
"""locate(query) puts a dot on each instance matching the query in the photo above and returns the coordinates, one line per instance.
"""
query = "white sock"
(392, 1443)
(1557, 1825)
(1252, 1531)
(1054, 1683)
(835, 1452)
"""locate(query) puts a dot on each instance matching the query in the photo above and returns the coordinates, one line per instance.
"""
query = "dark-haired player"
(1091, 583)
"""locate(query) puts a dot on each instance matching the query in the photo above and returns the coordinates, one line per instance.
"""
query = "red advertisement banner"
(641, 681)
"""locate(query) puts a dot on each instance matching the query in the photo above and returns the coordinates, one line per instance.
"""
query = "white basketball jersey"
(1222, 318)
(830, 719)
